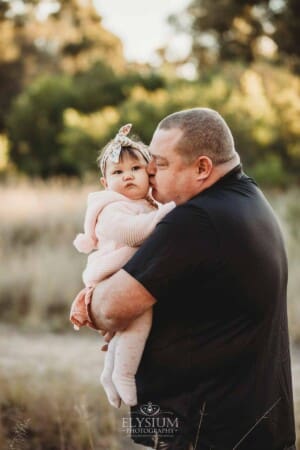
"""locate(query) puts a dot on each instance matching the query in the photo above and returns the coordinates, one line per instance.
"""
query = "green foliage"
(144, 114)
(259, 102)
(79, 150)
(270, 172)
(57, 122)
(96, 88)
(44, 144)
(69, 41)
(34, 124)
(150, 81)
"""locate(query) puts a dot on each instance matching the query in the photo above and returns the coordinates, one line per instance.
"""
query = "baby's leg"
(128, 353)
(106, 375)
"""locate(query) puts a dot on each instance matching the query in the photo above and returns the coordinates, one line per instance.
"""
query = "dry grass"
(51, 397)
(287, 207)
(41, 270)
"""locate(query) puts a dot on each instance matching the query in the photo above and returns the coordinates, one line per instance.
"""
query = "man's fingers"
(104, 347)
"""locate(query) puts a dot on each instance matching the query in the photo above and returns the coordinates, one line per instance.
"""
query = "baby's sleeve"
(86, 242)
(118, 222)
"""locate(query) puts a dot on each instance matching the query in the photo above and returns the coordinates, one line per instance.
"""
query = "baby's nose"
(128, 175)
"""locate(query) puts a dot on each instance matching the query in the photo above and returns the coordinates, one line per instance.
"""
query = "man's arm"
(118, 300)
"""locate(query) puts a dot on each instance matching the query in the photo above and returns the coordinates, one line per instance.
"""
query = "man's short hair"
(205, 132)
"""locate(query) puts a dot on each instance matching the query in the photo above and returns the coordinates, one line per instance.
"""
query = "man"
(215, 272)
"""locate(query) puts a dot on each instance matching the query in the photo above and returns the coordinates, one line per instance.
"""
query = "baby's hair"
(132, 151)
(132, 147)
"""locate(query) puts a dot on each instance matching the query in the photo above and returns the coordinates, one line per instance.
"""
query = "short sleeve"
(183, 247)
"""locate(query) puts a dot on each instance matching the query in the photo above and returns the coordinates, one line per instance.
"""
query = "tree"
(226, 30)
(97, 87)
(42, 144)
(287, 31)
(50, 37)
(34, 124)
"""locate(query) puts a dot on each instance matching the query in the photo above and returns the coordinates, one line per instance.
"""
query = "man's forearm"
(117, 301)
(99, 312)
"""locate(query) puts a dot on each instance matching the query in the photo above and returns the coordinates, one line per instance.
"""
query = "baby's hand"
(79, 314)
(108, 335)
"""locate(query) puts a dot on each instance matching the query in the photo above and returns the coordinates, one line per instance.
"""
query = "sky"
(142, 26)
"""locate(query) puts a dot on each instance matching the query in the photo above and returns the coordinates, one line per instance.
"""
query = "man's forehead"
(164, 142)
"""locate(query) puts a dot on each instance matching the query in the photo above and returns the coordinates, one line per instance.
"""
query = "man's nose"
(151, 168)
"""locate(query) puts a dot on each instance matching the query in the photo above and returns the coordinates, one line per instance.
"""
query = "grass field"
(50, 397)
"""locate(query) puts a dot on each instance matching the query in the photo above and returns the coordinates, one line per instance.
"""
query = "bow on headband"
(114, 149)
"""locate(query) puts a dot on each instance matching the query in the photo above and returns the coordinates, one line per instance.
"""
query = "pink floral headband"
(114, 149)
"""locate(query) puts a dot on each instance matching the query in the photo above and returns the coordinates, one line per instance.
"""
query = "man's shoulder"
(226, 190)
(187, 215)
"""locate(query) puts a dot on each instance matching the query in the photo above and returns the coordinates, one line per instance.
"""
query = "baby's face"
(128, 177)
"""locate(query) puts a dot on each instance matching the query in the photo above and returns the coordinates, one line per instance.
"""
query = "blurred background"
(71, 73)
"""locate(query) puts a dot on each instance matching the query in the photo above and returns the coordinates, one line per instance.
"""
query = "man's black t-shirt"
(218, 350)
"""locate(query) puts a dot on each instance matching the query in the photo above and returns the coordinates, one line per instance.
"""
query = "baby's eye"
(117, 172)
(136, 167)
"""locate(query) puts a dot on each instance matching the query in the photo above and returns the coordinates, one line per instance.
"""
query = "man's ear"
(204, 167)
(103, 182)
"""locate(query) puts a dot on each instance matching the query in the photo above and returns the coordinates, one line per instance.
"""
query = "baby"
(118, 219)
